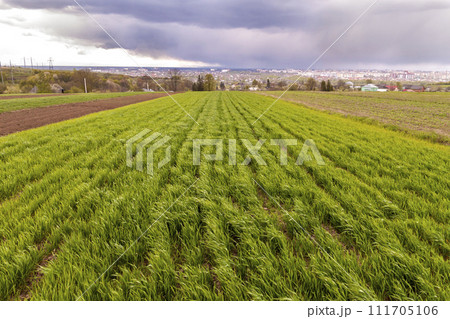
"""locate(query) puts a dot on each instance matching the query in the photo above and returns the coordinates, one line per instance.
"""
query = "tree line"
(207, 83)
(19, 80)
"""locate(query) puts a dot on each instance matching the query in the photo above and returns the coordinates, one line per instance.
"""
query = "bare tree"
(311, 84)
(175, 78)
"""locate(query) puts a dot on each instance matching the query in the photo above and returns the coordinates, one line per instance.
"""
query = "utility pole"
(12, 72)
(85, 86)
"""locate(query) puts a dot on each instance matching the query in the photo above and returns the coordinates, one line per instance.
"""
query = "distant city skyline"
(396, 34)
(248, 75)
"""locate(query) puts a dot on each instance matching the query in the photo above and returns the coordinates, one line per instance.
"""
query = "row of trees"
(40, 81)
(208, 83)
(73, 82)
(326, 86)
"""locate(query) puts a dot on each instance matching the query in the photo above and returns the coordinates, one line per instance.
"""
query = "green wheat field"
(372, 224)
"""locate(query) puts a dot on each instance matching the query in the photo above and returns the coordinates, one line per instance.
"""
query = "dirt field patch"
(29, 96)
(21, 120)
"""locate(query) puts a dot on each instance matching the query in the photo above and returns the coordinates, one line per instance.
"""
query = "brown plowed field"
(16, 121)
(30, 96)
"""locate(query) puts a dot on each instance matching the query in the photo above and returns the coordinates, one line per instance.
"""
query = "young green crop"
(425, 115)
(371, 224)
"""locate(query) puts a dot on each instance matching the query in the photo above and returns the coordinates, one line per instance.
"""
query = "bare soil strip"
(16, 121)
(31, 96)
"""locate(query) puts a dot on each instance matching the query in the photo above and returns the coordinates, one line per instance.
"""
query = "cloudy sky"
(399, 34)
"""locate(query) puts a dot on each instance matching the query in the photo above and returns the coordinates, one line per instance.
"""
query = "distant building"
(350, 84)
(383, 88)
(414, 88)
(56, 88)
(369, 88)
(392, 87)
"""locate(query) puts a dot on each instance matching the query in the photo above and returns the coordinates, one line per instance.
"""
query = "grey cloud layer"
(205, 13)
(262, 33)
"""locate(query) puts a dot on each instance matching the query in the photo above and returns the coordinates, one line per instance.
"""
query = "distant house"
(414, 88)
(382, 88)
(56, 88)
(392, 87)
(369, 88)
(350, 84)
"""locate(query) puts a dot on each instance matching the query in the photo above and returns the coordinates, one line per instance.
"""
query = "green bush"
(2, 88)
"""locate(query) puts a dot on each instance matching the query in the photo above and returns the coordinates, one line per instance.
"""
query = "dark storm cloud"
(205, 13)
(262, 33)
